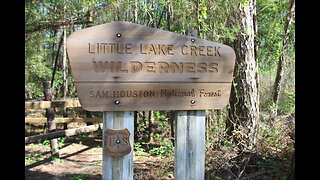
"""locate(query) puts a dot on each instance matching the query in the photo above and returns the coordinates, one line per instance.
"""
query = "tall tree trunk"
(118, 11)
(52, 51)
(56, 61)
(135, 13)
(64, 60)
(171, 121)
(64, 67)
(151, 126)
(168, 16)
(243, 114)
(281, 61)
(135, 119)
(198, 17)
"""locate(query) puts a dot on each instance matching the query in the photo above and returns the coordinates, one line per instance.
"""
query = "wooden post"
(50, 114)
(189, 158)
(117, 168)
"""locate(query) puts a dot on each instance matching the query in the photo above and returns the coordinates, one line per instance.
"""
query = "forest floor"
(81, 158)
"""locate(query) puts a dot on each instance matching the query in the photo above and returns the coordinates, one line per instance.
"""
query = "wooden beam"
(50, 114)
(63, 133)
(52, 104)
(117, 167)
(62, 120)
(189, 158)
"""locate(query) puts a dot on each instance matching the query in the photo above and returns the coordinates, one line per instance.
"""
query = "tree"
(281, 62)
(244, 100)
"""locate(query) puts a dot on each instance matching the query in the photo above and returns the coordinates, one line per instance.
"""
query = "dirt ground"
(81, 158)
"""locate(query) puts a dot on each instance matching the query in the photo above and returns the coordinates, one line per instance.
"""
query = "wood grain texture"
(117, 167)
(62, 120)
(141, 58)
(51, 104)
(153, 96)
(64, 133)
(189, 145)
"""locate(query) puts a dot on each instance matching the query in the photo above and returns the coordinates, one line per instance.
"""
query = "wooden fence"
(60, 133)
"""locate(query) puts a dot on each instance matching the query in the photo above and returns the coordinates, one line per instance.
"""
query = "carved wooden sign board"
(121, 66)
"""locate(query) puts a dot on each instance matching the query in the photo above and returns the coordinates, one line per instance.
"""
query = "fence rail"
(62, 133)
(56, 104)
(51, 104)
(62, 120)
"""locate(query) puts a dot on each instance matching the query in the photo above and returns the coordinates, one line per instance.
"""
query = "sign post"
(117, 164)
(189, 158)
(121, 67)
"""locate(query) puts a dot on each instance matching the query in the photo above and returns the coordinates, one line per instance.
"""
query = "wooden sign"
(122, 66)
(117, 142)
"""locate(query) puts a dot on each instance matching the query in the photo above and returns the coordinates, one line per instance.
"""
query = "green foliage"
(271, 16)
(37, 70)
(46, 143)
(215, 20)
(164, 150)
(73, 177)
(61, 142)
(287, 105)
(30, 159)
(158, 115)
(137, 148)
(274, 137)
(216, 178)
(57, 160)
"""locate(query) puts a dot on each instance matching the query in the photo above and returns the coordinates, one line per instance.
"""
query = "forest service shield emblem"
(117, 142)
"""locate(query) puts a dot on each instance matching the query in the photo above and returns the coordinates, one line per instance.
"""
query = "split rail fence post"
(117, 168)
(50, 114)
(189, 158)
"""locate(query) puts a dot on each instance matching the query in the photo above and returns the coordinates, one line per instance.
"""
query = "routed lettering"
(122, 66)
(152, 49)
(153, 67)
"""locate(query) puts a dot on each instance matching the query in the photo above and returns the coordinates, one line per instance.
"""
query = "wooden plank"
(154, 96)
(37, 105)
(190, 142)
(148, 69)
(52, 104)
(63, 120)
(63, 133)
(117, 167)
(189, 145)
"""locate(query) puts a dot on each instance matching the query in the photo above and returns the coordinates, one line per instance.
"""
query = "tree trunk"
(56, 61)
(293, 167)
(135, 119)
(135, 13)
(88, 115)
(243, 114)
(168, 16)
(118, 11)
(64, 64)
(64, 68)
(281, 61)
(171, 121)
(151, 126)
